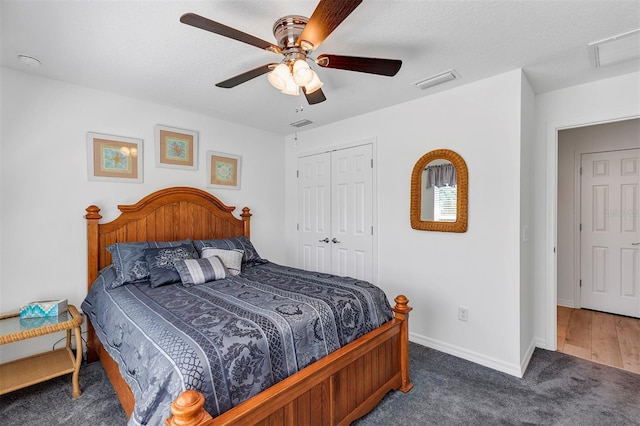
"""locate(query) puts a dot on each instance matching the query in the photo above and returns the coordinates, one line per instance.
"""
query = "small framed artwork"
(176, 148)
(114, 158)
(223, 170)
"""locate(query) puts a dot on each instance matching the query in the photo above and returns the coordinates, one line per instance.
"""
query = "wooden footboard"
(335, 390)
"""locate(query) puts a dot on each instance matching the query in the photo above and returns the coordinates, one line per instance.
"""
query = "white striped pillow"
(232, 259)
(199, 271)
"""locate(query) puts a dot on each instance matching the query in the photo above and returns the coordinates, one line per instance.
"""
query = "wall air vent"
(436, 79)
(300, 123)
(621, 48)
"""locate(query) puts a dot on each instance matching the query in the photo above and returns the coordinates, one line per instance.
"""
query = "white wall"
(592, 103)
(571, 144)
(44, 186)
(527, 230)
(439, 272)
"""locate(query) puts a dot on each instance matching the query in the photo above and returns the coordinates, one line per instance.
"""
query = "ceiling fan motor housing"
(287, 30)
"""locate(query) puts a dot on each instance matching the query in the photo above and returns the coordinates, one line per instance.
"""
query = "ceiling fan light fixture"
(314, 84)
(291, 88)
(302, 73)
(279, 76)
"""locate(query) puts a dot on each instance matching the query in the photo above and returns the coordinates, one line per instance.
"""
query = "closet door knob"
(326, 240)
(635, 244)
(335, 241)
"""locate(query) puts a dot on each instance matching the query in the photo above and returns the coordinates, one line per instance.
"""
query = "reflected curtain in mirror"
(440, 175)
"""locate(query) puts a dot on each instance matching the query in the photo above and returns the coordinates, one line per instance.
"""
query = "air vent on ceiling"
(436, 79)
(621, 48)
(300, 123)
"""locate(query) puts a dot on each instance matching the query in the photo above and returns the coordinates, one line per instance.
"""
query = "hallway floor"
(600, 337)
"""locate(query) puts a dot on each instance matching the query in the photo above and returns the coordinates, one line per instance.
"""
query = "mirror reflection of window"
(439, 193)
(444, 203)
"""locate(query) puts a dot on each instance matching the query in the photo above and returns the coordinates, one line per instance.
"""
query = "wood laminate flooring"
(600, 337)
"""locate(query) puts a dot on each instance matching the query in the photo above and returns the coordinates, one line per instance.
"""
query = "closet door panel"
(314, 210)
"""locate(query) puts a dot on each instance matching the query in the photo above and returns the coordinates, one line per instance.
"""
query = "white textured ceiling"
(140, 49)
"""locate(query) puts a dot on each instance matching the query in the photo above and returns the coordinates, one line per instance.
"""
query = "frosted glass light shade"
(279, 76)
(302, 74)
(314, 84)
(291, 88)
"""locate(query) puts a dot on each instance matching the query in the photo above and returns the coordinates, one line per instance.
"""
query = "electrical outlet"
(463, 313)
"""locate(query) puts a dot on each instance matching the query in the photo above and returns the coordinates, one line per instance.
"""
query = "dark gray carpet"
(557, 390)
(50, 403)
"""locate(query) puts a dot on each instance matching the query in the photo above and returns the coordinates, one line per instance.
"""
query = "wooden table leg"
(76, 373)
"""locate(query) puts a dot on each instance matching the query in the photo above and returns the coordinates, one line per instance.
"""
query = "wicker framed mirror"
(439, 192)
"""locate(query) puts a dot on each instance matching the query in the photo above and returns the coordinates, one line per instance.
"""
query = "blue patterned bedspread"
(229, 339)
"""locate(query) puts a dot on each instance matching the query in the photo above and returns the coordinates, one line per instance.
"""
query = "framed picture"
(223, 170)
(114, 158)
(176, 148)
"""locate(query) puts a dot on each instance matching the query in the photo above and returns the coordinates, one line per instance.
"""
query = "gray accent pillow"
(129, 261)
(160, 262)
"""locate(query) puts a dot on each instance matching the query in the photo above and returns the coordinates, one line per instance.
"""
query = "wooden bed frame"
(335, 390)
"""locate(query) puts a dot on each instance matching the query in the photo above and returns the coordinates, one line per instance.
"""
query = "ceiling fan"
(297, 36)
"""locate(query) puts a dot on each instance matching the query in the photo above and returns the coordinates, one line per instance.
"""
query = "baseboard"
(567, 303)
(542, 344)
(486, 361)
(527, 357)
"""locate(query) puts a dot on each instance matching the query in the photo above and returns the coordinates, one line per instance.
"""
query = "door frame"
(551, 231)
(577, 212)
(374, 189)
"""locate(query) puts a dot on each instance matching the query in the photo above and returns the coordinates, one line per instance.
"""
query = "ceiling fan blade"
(223, 30)
(380, 66)
(314, 97)
(326, 18)
(246, 76)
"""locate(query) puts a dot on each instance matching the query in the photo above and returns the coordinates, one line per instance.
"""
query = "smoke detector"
(29, 61)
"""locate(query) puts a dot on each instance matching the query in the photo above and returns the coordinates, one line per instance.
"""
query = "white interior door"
(335, 207)
(610, 237)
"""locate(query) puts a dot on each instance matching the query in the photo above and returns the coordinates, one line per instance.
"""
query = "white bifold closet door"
(335, 212)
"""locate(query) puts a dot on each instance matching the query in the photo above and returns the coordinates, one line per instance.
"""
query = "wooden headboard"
(166, 215)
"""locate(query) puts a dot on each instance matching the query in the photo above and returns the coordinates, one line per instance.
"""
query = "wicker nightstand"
(47, 365)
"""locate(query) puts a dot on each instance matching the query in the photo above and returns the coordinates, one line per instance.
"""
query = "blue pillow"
(129, 261)
(199, 271)
(250, 257)
(160, 262)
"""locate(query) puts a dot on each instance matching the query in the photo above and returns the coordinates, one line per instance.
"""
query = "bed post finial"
(93, 212)
(402, 310)
(187, 410)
